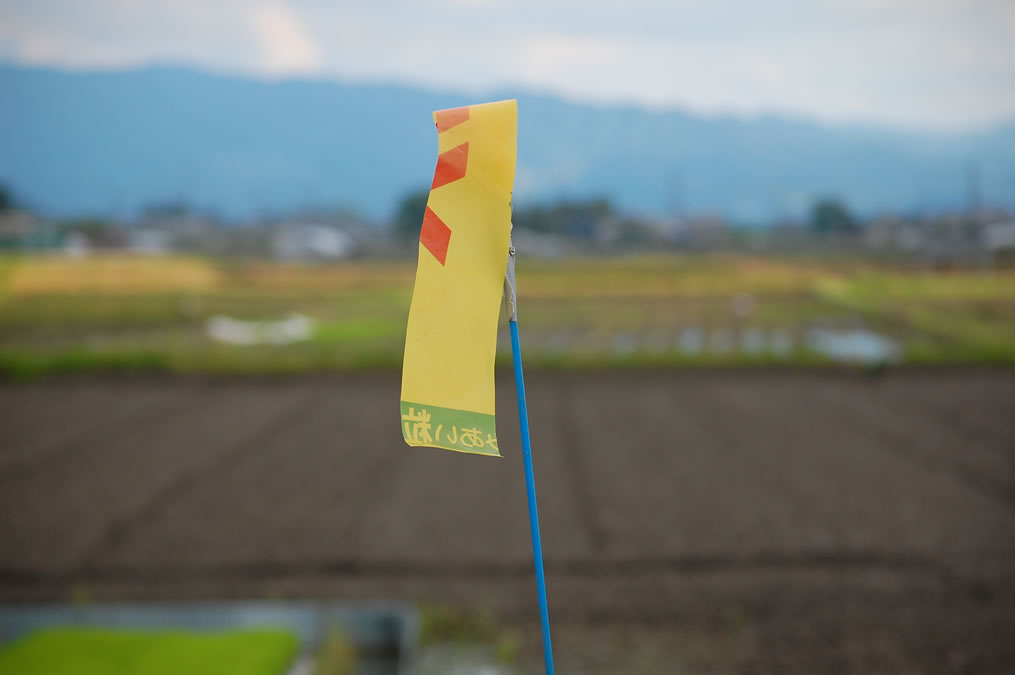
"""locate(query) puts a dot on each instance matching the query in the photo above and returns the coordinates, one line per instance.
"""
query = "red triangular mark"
(452, 117)
(435, 235)
(451, 165)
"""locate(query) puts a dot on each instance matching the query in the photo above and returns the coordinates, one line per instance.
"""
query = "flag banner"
(451, 339)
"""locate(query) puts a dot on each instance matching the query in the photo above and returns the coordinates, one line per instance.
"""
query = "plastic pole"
(530, 488)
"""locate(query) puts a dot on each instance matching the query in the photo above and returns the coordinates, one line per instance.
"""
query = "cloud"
(287, 47)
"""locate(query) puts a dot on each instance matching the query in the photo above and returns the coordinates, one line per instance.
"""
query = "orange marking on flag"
(451, 165)
(451, 117)
(435, 235)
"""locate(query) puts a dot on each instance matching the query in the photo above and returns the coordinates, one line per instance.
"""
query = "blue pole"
(530, 488)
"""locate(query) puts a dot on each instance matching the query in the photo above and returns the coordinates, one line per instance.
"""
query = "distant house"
(702, 232)
(999, 241)
(23, 230)
(15, 228)
(310, 242)
(957, 239)
(84, 236)
(149, 241)
(76, 245)
(999, 236)
(170, 227)
(538, 244)
(895, 234)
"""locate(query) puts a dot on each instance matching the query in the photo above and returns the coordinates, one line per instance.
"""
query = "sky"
(945, 65)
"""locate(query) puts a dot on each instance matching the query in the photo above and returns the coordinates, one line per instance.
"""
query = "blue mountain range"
(76, 143)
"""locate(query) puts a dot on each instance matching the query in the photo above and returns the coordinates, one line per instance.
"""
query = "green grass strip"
(72, 651)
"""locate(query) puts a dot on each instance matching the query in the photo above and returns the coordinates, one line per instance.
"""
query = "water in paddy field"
(854, 346)
(691, 341)
(780, 343)
(752, 342)
(721, 341)
(293, 328)
(559, 342)
(655, 343)
(625, 344)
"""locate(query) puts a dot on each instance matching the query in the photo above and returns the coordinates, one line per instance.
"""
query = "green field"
(136, 313)
(75, 651)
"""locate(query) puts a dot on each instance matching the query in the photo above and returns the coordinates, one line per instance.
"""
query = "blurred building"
(703, 232)
(962, 240)
(311, 242)
(999, 242)
(176, 228)
(540, 245)
(149, 241)
(23, 230)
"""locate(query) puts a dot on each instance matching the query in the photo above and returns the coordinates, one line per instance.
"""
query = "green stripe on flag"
(448, 428)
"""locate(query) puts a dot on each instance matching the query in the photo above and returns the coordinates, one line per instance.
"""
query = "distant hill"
(110, 142)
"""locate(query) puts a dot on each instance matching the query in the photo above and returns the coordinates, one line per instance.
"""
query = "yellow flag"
(451, 339)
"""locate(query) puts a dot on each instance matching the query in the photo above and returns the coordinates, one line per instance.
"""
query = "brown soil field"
(767, 521)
